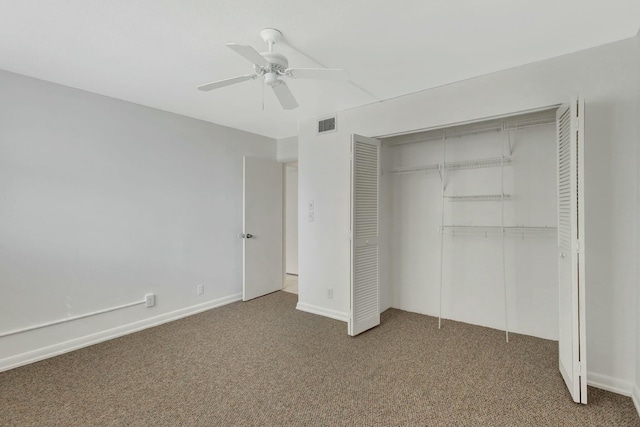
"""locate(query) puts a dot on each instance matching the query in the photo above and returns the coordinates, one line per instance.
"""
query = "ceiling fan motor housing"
(278, 63)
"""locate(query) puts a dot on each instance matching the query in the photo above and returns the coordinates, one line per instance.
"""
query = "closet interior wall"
(471, 256)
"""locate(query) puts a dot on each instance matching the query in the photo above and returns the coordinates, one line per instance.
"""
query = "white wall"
(291, 218)
(473, 289)
(103, 201)
(287, 150)
(323, 245)
(606, 77)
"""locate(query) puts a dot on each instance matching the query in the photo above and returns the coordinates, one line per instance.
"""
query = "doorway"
(290, 210)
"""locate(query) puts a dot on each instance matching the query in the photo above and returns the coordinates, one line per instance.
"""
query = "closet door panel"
(571, 277)
(365, 192)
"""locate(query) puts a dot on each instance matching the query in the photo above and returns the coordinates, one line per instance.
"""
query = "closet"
(468, 223)
(479, 222)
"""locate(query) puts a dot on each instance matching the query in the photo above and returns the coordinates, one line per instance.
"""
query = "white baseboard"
(635, 396)
(77, 343)
(608, 383)
(313, 309)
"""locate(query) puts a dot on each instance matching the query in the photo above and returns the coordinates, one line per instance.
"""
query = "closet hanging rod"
(479, 198)
(490, 230)
(413, 169)
(479, 163)
(523, 231)
(452, 166)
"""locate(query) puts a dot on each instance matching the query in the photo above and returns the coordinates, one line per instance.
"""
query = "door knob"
(248, 236)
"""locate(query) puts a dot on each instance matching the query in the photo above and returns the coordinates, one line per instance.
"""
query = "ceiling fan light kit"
(271, 66)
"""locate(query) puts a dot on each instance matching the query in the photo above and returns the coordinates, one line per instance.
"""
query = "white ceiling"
(155, 52)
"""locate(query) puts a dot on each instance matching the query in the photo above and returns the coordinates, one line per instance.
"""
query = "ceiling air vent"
(327, 125)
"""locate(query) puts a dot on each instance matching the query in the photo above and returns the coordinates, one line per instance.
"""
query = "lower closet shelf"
(480, 198)
(491, 231)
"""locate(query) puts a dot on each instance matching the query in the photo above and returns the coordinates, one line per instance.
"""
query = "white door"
(365, 184)
(571, 264)
(291, 218)
(262, 228)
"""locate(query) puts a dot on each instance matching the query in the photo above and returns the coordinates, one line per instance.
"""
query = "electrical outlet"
(310, 216)
(200, 289)
(150, 300)
(310, 205)
(330, 293)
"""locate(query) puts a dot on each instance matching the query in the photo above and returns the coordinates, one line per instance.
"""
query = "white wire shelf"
(479, 163)
(531, 122)
(479, 198)
(453, 166)
(413, 169)
(496, 231)
(544, 116)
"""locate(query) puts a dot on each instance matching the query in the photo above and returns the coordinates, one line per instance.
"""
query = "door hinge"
(579, 246)
(579, 368)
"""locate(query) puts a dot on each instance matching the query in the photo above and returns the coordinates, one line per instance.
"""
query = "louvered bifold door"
(571, 260)
(365, 184)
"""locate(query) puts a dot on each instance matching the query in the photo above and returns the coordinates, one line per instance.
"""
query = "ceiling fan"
(272, 66)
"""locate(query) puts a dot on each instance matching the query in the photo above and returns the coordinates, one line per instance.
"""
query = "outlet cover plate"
(150, 300)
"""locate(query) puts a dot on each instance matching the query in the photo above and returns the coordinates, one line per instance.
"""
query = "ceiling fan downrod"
(271, 36)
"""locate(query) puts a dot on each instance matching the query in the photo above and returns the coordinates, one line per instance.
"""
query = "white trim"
(635, 396)
(611, 384)
(286, 160)
(321, 311)
(87, 340)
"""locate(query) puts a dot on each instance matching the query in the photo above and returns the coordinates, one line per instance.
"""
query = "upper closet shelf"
(544, 116)
(453, 166)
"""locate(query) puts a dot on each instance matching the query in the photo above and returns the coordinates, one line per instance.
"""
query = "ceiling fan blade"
(284, 95)
(248, 53)
(227, 82)
(317, 73)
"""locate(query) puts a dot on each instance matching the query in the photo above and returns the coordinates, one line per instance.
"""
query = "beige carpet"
(264, 363)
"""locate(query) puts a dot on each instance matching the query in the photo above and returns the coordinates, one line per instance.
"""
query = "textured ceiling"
(155, 52)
